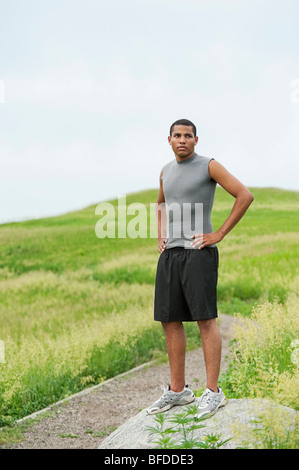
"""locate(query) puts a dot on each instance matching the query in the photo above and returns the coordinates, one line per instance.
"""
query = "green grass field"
(76, 309)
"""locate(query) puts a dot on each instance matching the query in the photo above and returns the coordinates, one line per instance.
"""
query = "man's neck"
(179, 159)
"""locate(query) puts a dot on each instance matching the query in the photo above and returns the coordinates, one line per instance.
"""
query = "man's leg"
(176, 347)
(178, 393)
(211, 344)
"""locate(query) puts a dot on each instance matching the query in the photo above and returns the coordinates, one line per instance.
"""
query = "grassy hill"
(76, 309)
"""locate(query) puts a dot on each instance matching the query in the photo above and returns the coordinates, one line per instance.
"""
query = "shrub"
(264, 364)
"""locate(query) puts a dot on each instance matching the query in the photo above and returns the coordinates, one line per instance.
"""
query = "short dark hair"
(183, 122)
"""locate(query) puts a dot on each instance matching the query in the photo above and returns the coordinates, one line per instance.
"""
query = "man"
(187, 269)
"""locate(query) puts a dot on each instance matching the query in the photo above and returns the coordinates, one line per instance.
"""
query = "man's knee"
(205, 325)
(172, 325)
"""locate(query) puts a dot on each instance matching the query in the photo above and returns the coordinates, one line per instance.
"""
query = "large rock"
(235, 421)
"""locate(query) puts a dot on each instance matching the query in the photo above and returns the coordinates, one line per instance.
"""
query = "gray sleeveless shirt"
(189, 196)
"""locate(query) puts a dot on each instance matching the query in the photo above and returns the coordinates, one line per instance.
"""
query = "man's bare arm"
(161, 219)
(243, 200)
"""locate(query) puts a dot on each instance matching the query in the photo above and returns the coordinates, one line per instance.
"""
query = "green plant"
(263, 364)
(184, 424)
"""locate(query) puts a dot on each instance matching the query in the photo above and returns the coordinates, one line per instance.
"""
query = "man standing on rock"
(187, 270)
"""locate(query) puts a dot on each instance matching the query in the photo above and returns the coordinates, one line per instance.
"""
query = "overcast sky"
(89, 88)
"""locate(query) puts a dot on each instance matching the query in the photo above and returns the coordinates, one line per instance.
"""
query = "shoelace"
(166, 395)
(163, 399)
(206, 398)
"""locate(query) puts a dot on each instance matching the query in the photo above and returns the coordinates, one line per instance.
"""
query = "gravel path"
(85, 420)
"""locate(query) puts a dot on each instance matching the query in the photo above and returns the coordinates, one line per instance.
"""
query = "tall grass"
(265, 365)
(76, 309)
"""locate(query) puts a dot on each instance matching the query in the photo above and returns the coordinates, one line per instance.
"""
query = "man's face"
(183, 141)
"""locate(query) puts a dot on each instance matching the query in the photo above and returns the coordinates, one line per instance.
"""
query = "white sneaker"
(210, 402)
(170, 399)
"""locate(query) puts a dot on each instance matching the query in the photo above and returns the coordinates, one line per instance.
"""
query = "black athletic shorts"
(186, 284)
